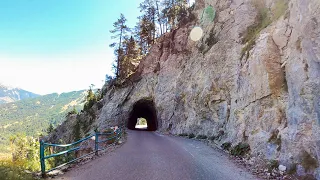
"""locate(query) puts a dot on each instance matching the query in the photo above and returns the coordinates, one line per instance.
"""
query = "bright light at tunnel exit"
(141, 123)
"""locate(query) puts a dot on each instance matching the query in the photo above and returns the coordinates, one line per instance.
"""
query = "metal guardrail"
(43, 145)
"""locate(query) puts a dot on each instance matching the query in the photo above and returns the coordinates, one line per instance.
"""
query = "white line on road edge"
(188, 151)
(158, 134)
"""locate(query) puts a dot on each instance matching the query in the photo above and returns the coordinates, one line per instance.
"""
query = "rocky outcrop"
(266, 94)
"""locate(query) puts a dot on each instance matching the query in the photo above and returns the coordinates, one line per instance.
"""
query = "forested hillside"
(33, 116)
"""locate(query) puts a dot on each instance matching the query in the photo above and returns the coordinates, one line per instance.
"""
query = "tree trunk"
(159, 20)
(118, 62)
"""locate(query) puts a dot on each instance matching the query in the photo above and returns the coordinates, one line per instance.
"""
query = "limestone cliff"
(249, 79)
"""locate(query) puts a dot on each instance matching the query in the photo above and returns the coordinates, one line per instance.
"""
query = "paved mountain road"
(151, 156)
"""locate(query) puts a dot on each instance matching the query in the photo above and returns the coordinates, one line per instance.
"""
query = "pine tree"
(158, 16)
(167, 12)
(50, 128)
(182, 7)
(145, 34)
(157, 2)
(132, 57)
(90, 99)
(174, 11)
(137, 37)
(148, 21)
(120, 32)
(76, 131)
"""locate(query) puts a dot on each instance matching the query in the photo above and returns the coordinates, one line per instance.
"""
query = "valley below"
(33, 116)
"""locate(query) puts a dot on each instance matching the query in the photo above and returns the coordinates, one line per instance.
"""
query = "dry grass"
(279, 9)
(298, 45)
(308, 162)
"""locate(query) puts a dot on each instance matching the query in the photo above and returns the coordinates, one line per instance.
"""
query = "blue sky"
(51, 46)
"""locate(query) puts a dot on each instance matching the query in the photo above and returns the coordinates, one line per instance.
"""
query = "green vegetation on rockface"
(240, 149)
(263, 19)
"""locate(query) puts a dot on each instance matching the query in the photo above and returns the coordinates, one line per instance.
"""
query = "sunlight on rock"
(196, 33)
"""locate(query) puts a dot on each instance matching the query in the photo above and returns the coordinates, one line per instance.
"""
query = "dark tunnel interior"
(143, 109)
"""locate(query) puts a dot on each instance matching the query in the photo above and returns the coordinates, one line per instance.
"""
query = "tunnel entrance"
(143, 109)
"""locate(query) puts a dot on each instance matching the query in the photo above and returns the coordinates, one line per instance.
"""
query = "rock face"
(268, 98)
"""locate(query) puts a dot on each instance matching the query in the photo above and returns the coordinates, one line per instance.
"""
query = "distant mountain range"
(33, 116)
(8, 94)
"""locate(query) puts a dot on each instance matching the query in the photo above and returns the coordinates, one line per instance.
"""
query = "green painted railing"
(43, 145)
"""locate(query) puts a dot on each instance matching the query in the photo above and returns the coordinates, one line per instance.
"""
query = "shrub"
(209, 42)
(76, 131)
(88, 104)
(108, 78)
(212, 138)
(25, 156)
(241, 149)
(201, 137)
(58, 160)
(183, 134)
(272, 164)
(226, 146)
(73, 111)
(275, 139)
(219, 135)
(91, 99)
(292, 169)
(308, 162)
(25, 152)
(13, 170)
(50, 128)
(191, 136)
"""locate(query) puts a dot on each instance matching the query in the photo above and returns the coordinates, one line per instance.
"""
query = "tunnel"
(143, 109)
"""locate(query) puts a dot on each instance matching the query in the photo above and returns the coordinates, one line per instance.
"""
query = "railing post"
(42, 162)
(96, 146)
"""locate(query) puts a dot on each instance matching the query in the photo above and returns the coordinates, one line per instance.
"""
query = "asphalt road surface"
(152, 156)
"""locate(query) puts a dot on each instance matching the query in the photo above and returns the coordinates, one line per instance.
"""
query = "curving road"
(151, 156)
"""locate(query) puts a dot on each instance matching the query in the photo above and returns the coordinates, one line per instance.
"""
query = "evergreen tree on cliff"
(131, 58)
(174, 11)
(147, 24)
(120, 32)
(158, 16)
